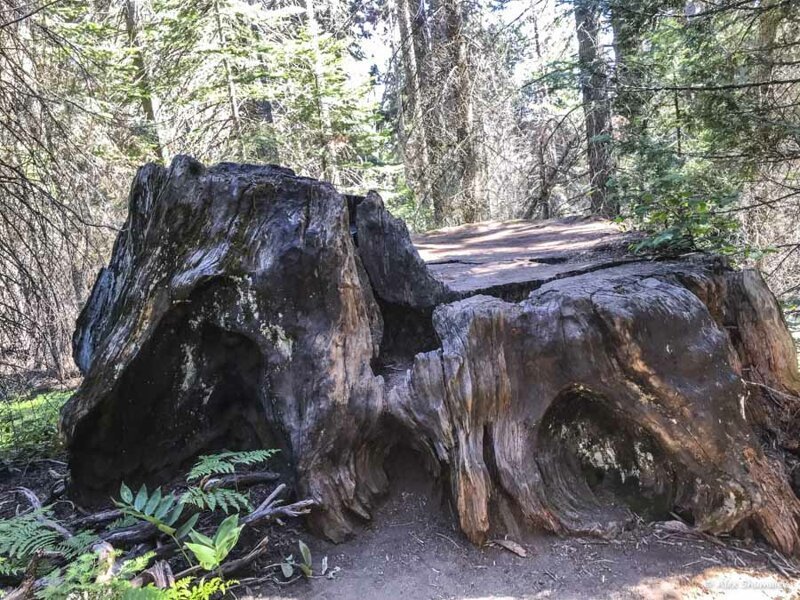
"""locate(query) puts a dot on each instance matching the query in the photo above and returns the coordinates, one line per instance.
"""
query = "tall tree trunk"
(425, 35)
(539, 197)
(323, 111)
(233, 101)
(773, 12)
(596, 106)
(465, 159)
(133, 29)
(414, 125)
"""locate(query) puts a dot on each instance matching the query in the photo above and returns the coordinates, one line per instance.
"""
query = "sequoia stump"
(549, 378)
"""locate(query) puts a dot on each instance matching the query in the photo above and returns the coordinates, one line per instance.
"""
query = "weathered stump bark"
(548, 378)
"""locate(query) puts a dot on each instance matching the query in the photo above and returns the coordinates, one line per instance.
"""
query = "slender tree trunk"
(414, 125)
(323, 112)
(411, 85)
(627, 29)
(233, 101)
(596, 106)
(544, 188)
(142, 81)
(541, 200)
(768, 23)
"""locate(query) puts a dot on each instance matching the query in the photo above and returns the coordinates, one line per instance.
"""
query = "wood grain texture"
(548, 378)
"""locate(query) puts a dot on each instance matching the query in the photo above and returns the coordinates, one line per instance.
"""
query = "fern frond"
(225, 463)
(23, 535)
(223, 498)
(43, 539)
(9, 568)
(76, 545)
(131, 567)
(123, 522)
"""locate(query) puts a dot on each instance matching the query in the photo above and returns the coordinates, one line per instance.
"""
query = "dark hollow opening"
(598, 463)
(406, 332)
(415, 491)
(193, 389)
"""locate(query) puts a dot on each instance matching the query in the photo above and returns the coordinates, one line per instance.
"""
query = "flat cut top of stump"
(483, 257)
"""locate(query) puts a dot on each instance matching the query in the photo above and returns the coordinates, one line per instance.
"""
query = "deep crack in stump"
(546, 377)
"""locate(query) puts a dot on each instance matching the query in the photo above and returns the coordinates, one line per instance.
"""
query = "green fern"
(204, 589)
(225, 463)
(222, 498)
(78, 580)
(9, 568)
(24, 535)
(76, 545)
(74, 581)
(123, 522)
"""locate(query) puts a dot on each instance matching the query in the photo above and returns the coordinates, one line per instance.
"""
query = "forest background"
(681, 119)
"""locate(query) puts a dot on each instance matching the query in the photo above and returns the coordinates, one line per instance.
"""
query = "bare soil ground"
(413, 550)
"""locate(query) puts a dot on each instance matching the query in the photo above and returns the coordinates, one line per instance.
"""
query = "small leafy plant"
(305, 564)
(68, 565)
(219, 497)
(188, 589)
(210, 552)
(162, 510)
(84, 578)
(225, 463)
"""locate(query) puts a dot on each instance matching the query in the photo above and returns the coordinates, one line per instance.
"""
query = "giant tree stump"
(549, 378)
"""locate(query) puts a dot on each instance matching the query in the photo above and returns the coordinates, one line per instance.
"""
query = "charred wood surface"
(549, 378)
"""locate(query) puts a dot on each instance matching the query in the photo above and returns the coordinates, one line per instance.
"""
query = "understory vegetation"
(160, 544)
(29, 427)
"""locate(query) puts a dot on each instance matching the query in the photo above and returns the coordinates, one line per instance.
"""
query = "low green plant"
(305, 564)
(84, 578)
(72, 571)
(123, 522)
(23, 536)
(29, 427)
(220, 497)
(210, 552)
(204, 589)
(162, 510)
(217, 465)
(682, 204)
(225, 463)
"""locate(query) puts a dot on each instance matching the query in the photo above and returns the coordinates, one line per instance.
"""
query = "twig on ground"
(36, 504)
(240, 480)
(271, 509)
(29, 584)
(98, 519)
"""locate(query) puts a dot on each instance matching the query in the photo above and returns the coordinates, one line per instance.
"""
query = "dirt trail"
(414, 551)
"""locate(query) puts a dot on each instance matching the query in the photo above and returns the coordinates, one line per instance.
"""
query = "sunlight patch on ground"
(728, 583)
